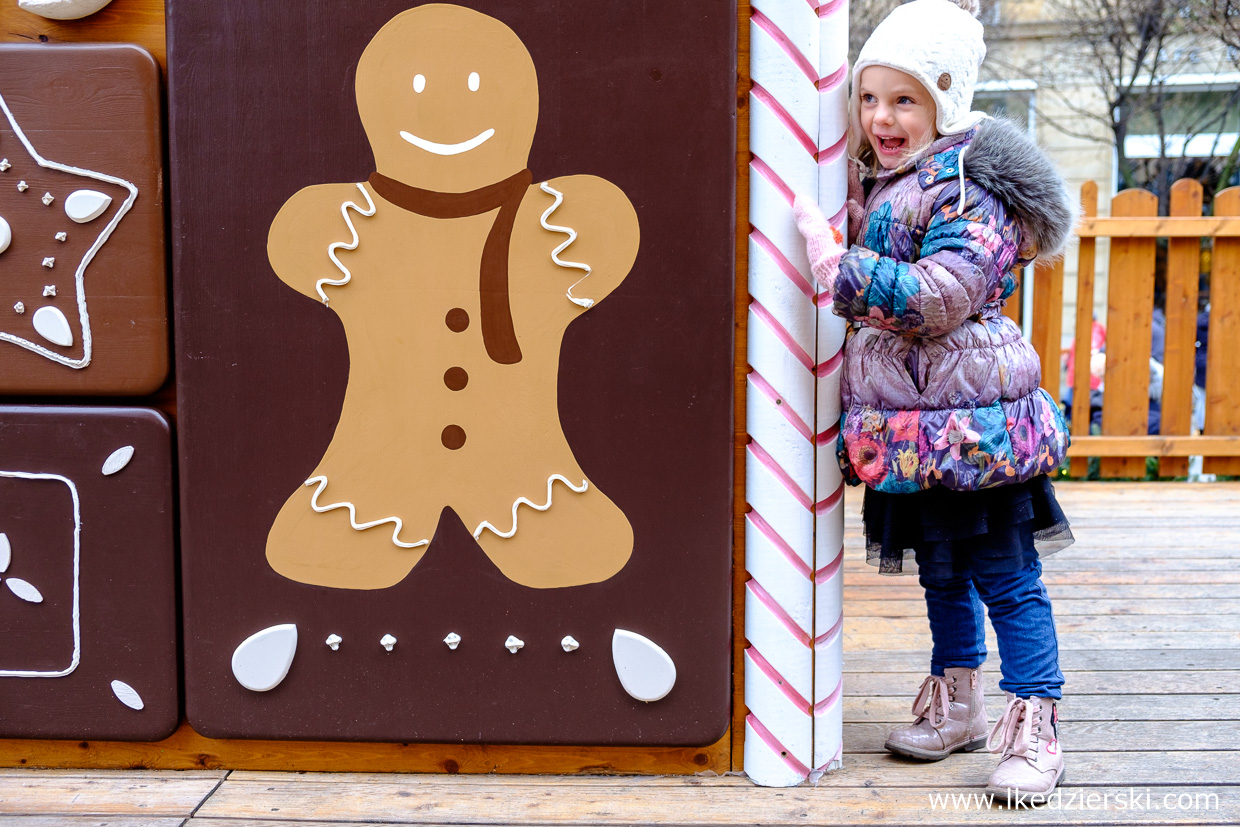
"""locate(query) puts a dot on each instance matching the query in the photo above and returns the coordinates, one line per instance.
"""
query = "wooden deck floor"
(1148, 610)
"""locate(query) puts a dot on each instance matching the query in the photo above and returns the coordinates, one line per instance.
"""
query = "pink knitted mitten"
(823, 242)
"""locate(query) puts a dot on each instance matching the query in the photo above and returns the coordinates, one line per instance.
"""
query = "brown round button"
(455, 378)
(457, 319)
(453, 437)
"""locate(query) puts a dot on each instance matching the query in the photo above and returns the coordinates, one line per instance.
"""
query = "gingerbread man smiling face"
(445, 270)
(449, 99)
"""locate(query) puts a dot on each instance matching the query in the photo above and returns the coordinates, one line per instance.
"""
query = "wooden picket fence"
(1134, 227)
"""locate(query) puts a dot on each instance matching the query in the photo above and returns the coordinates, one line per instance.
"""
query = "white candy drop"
(22, 186)
(569, 643)
(6, 553)
(513, 644)
(52, 325)
(646, 672)
(62, 236)
(5, 166)
(333, 642)
(86, 205)
(387, 641)
(49, 290)
(453, 640)
(117, 460)
(49, 262)
(263, 659)
(48, 198)
(24, 590)
(19, 308)
(127, 695)
(6, 235)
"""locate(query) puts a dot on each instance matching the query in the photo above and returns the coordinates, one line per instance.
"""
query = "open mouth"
(890, 146)
(448, 149)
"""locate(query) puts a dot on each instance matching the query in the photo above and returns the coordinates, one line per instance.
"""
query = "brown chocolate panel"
(631, 107)
(83, 301)
(88, 634)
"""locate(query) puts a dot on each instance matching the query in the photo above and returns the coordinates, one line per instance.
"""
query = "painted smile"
(448, 149)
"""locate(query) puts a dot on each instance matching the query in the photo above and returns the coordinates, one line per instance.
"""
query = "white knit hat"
(939, 42)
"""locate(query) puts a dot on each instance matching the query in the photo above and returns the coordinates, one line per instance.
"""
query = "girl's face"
(897, 114)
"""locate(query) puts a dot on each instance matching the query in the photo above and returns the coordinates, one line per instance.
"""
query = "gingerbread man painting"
(455, 276)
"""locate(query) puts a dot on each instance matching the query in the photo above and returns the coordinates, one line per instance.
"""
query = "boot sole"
(1002, 792)
(933, 755)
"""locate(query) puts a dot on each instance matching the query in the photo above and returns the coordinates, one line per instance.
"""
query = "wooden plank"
(121, 21)
(187, 749)
(1067, 642)
(1154, 446)
(1085, 275)
(740, 372)
(444, 802)
(1223, 709)
(1166, 660)
(1179, 354)
(104, 793)
(1048, 321)
(904, 684)
(1130, 300)
(1065, 607)
(1100, 736)
(1070, 593)
(1069, 625)
(90, 821)
(1223, 360)
(1124, 226)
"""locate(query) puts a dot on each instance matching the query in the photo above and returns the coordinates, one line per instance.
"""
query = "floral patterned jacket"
(939, 388)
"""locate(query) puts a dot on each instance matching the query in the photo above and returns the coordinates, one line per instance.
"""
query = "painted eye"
(419, 83)
(474, 80)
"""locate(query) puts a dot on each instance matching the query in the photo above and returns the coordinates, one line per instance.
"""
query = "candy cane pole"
(787, 491)
(829, 486)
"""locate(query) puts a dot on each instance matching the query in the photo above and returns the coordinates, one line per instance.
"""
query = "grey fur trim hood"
(1003, 160)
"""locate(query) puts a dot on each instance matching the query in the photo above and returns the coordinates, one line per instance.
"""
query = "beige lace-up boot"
(1027, 737)
(951, 716)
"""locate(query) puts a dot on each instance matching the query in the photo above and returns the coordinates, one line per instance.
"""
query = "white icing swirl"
(485, 526)
(349, 245)
(398, 524)
(555, 254)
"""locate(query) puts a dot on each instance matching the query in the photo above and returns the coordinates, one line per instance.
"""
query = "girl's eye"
(866, 97)
(906, 100)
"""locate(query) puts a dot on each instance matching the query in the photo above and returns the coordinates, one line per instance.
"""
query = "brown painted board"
(92, 114)
(1179, 357)
(1048, 321)
(1130, 300)
(643, 385)
(87, 585)
(1223, 368)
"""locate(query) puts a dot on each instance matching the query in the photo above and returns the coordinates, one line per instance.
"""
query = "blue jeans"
(1020, 611)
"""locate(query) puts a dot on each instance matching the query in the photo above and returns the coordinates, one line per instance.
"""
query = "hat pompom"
(973, 7)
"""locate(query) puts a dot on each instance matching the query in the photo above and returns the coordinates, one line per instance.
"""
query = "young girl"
(944, 420)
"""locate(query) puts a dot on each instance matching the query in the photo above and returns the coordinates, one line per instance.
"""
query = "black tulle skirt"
(939, 532)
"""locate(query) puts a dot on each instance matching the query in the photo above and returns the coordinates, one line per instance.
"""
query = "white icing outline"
(523, 501)
(572, 236)
(448, 149)
(79, 279)
(77, 553)
(321, 481)
(350, 245)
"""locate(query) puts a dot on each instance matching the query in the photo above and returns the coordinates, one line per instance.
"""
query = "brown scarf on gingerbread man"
(498, 334)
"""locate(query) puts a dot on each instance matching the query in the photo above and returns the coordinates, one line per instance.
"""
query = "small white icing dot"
(48, 289)
(387, 642)
(419, 83)
(19, 308)
(474, 81)
(5, 165)
(117, 460)
(48, 198)
(513, 644)
(62, 236)
(22, 186)
(333, 642)
(49, 263)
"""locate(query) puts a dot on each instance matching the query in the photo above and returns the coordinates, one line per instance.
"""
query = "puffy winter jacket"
(939, 388)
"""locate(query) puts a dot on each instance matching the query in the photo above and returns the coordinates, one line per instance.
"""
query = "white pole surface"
(793, 487)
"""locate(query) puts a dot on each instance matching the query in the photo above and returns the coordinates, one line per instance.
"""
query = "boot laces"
(1018, 729)
(933, 700)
